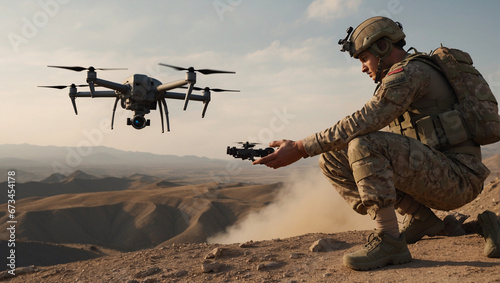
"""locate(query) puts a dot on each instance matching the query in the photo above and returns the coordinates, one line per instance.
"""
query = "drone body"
(247, 152)
(141, 93)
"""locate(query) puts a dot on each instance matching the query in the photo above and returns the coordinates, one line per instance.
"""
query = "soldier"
(408, 170)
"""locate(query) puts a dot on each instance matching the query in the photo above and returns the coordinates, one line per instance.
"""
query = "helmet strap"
(378, 75)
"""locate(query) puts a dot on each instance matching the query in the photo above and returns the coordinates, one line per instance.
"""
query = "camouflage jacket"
(404, 84)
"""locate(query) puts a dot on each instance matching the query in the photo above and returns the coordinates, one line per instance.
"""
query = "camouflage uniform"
(373, 169)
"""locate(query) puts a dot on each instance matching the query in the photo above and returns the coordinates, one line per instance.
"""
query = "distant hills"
(80, 182)
(37, 163)
(66, 160)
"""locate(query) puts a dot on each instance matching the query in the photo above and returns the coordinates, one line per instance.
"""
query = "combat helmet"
(368, 33)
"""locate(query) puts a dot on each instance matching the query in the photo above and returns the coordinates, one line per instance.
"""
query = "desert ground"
(142, 228)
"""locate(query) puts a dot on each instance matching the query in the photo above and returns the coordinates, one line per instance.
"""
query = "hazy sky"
(294, 81)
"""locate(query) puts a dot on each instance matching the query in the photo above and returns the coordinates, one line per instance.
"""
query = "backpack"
(477, 105)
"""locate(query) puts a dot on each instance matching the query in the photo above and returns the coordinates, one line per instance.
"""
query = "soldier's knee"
(332, 162)
(363, 146)
(358, 148)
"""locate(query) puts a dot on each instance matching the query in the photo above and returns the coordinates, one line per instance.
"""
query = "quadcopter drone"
(247, 152)
(141, 94)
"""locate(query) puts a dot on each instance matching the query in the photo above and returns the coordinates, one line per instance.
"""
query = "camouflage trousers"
(378, 169)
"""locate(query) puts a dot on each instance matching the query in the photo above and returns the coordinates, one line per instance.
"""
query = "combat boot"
(421, 223)
(381, 250)
(491, 233)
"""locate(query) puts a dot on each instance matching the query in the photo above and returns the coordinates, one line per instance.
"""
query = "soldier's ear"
(382, 45)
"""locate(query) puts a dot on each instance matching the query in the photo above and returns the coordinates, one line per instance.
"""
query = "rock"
(247, 244)
(148, 272)
(268, 257)
(207, 267)
(324, 245)
(296, 255)
(217, 252)
(181, 273)
(269, 265)
(177, 274)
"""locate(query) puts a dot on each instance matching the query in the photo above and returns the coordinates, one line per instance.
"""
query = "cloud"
(325, 10)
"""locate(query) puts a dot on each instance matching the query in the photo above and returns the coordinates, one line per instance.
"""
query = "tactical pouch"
(453, 127)
(426, 131)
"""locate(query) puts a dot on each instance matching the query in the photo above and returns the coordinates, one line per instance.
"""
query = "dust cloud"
(305, 204)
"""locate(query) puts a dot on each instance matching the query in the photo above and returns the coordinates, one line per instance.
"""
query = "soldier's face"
(369, 64)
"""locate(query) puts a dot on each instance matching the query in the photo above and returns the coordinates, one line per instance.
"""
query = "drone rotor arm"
(121, 88)
(170, 86)
(97, 94)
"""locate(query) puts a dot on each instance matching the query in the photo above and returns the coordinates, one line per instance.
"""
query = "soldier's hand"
(288, 152)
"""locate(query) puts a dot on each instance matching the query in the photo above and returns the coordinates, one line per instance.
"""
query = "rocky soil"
(306, 258)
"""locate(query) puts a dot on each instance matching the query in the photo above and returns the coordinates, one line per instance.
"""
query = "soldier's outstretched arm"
(288, 152)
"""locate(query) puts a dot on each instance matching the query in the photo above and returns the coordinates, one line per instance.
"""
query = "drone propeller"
(248, 144)
(202, 71)
(213, 89)
(224, 90)
(61, 86)
(79, 69)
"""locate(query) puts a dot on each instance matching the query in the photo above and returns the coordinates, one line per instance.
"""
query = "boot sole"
(393, 259)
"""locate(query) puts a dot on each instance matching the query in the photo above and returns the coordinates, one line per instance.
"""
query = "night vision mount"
(346, 43)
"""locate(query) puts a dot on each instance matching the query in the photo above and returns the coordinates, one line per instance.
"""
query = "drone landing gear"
(163, 104)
